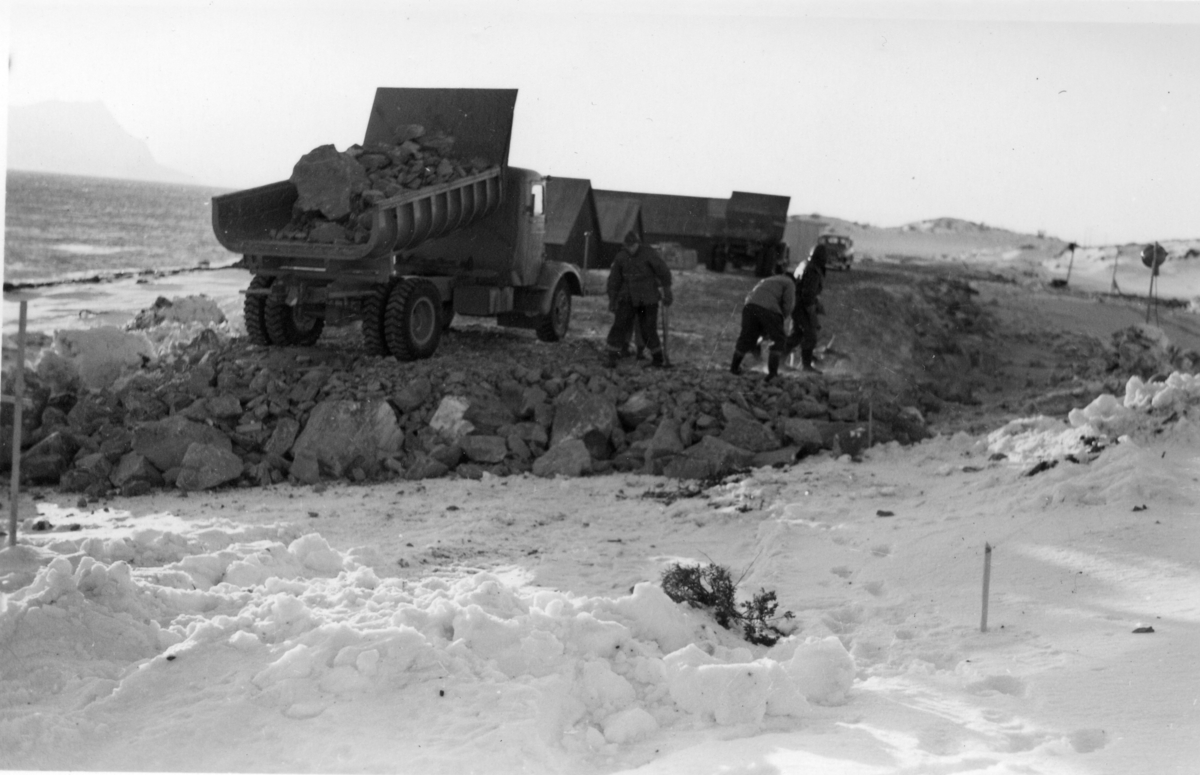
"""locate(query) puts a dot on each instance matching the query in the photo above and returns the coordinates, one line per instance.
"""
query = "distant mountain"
(80, 138)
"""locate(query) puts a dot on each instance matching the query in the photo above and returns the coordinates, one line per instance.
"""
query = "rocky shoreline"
(224, 413)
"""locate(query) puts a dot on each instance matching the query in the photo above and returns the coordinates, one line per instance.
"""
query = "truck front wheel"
(413, 321)
(554, 324)
(254, 311)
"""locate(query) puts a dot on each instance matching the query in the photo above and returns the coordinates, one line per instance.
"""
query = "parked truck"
(473, 246)
(752, 234)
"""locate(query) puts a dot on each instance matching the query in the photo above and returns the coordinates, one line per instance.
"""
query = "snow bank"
(285, 620)
(1145, 407)
(102, 355)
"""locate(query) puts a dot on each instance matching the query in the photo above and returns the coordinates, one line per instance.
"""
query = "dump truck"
(752, 234)
(471, 246)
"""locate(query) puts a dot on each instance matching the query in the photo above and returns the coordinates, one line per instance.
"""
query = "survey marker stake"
(987, 580)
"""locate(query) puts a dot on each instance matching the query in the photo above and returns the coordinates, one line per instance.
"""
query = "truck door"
(529, 252)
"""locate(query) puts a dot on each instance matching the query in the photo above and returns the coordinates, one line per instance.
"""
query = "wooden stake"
(18, 406)
(987, 580)
(871, 420)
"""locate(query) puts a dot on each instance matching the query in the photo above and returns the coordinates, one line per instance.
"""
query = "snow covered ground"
(364, 628)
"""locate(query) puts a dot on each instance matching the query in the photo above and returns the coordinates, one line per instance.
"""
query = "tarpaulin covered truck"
(472, 245)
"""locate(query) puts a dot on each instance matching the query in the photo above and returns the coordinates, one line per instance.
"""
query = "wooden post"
(987, 580)
(871, 419)
(18, 407)
(1150, 293)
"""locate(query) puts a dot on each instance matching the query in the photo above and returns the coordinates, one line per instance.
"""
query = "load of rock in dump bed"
(338, 190)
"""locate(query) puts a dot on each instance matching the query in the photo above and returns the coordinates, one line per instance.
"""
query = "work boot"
(806, 357)
(656, 359)
(610, 359)
(736, 366)
(772, 365)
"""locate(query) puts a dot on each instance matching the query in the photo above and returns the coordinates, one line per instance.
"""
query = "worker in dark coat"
(638, 281)
(810, 281)
(766, 308)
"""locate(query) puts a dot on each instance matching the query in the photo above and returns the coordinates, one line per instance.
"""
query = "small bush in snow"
(712, 588)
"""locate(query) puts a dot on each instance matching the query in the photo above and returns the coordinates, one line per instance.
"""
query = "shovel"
(666, 330)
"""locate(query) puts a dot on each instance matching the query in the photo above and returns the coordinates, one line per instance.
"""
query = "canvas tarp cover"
(618, 217)
(668, 214)
(565, 199)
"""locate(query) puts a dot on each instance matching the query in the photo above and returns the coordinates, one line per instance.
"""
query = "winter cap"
(632, 238)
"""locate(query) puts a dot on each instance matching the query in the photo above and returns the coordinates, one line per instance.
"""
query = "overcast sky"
(1077, 118)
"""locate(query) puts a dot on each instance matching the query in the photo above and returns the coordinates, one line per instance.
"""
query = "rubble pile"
(232, 414)
(338, 190)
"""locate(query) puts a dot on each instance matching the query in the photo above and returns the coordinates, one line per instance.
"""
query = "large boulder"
(449, 420)
(570, 458)
(710, 457)
(165, 442)
(46, 461)
(328, 182)
(663, 445)
(412, 395)
(485, 449)
(133, 467)
(589, 417)
(488, 413)
(748, 433)
(636, 409)
(205, 466)
(282, 438)
(804, 434)
(341, 434)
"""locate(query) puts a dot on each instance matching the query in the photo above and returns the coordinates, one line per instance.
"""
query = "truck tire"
(716, 262)
(554, 324)
(374, 308)
(413, 319)
(254, 308)
(289, 326)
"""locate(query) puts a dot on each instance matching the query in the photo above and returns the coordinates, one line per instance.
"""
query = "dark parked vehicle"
(841, 251)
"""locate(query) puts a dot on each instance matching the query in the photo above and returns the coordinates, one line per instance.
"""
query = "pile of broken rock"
(227, 413)
(337, 190)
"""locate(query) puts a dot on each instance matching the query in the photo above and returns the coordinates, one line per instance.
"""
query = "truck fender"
(548, 277)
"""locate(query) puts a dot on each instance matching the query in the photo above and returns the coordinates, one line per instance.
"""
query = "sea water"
(59, 228)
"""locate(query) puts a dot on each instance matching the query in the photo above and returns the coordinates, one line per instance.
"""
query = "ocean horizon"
(67, 228)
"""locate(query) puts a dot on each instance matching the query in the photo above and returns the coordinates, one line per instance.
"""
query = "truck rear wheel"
(716, 262)
(413, 320)
(554, 324)
(374, 310)
(291, 325)
(254, 308)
